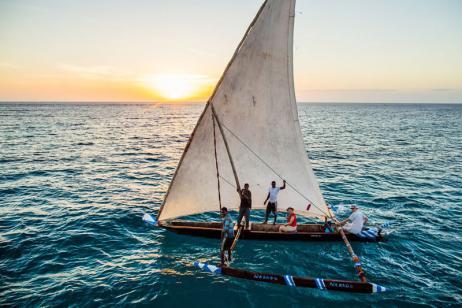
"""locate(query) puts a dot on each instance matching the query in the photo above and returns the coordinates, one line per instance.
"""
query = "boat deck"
(258, 231)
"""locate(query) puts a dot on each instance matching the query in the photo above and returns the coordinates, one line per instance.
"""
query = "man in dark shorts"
(227, 235)
(245, 206)
(272, 205)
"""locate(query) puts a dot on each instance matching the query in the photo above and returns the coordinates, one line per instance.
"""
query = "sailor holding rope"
(245, 206)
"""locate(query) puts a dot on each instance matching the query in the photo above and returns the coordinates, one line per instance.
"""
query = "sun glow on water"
(176, 87)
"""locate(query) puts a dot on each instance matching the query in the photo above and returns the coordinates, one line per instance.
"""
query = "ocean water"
(76, 179)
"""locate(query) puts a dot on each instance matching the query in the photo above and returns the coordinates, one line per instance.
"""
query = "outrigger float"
(249, 130)
(294, 281)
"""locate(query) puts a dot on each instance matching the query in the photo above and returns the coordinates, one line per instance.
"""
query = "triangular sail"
(255, 102)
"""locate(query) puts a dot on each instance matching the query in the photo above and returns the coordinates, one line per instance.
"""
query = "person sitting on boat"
(354, 224)
(291, 225)
(245, 206)
(227, 235)
(272, 205)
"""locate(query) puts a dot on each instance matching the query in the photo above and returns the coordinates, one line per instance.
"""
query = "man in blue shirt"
(227, 235)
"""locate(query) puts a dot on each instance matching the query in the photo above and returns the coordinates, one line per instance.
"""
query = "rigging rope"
(274, 171)
(216, 161)
(228, 182)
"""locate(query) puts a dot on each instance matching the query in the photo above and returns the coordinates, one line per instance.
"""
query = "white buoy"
(208, 267)
(149, 219)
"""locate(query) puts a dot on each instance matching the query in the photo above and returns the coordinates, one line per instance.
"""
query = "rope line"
(228, 182)
(216, 162)
(274, 171)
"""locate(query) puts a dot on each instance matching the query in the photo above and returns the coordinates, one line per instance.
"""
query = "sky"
(174, 51)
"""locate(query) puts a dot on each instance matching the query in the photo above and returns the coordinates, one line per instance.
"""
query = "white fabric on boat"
(255, 102)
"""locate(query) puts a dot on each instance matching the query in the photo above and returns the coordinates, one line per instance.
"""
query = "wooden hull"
(294, 281)
(305, 232)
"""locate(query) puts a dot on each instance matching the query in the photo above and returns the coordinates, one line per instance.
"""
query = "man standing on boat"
(245, 206)
(272, 205)
(227, 235)
(354, 224)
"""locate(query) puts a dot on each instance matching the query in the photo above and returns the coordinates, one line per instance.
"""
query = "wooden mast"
(227, 147)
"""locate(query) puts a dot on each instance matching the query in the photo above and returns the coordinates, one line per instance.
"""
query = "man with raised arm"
(245, 206)
(272, 205)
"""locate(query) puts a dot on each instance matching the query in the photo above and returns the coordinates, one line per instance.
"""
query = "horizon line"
(54, 102)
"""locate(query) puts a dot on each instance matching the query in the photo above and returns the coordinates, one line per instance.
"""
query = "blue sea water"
(76, 179)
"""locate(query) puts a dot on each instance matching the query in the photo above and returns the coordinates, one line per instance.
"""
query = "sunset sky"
(176, 50)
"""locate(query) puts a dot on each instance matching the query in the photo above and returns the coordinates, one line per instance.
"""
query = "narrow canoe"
(258, 231)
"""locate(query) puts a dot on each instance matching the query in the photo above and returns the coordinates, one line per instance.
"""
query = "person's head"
(290, 210)
(246, 186)
(273, 184)
(224, 211)
(353, 208)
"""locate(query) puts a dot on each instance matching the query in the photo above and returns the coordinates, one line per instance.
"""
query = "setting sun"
(177, 87)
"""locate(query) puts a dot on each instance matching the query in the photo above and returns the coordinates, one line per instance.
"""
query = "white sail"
(255, 102)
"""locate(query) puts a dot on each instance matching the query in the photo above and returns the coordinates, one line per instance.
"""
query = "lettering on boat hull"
(265, 277)
(343, 285)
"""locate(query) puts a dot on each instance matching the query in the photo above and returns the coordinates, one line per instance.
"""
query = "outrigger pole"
(354, 257)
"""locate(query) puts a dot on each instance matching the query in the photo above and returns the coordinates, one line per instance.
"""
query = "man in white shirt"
(272, 205)
(354, 224)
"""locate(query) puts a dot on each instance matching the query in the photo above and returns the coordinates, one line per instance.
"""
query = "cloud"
(200, 52)
(9, 65)
(354, 90)
(186, 77)
(95, 71)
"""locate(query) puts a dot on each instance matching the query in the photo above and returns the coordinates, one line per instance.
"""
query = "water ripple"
(75, 180)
